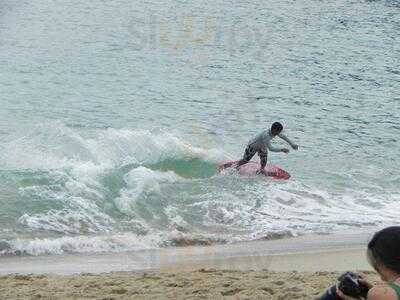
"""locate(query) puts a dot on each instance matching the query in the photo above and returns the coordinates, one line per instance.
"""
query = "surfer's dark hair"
(384, 249)
(277, 126)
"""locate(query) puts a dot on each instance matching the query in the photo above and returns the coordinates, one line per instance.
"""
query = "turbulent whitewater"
(119, 190)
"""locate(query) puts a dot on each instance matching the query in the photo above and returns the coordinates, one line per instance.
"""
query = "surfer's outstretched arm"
(286, 139)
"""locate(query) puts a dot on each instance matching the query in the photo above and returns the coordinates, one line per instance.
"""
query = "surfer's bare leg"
(263, 162)
(248, 155)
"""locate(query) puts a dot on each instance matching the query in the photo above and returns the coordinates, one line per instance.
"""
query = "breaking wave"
(126, 190)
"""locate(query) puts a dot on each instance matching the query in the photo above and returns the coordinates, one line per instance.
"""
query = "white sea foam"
(55, 146)
(141, 181)
(80, 244)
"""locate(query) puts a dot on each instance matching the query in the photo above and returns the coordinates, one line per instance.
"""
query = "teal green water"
(114, 114)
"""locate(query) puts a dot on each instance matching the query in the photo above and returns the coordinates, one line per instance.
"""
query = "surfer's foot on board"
(260, 172)
(266, 173)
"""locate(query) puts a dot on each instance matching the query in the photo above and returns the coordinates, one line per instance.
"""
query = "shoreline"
(289, 254)
(295, 268)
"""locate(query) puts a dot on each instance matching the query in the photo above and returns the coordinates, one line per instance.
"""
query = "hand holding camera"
(351, 285)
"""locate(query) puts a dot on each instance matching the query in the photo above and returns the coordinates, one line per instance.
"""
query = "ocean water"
(113, 115)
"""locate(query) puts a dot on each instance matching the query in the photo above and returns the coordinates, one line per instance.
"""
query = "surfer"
(262, 143)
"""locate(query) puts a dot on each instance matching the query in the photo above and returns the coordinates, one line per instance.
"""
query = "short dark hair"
(277, 126)
(384, 248)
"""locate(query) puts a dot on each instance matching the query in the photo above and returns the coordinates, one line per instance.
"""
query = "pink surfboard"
(251, 168)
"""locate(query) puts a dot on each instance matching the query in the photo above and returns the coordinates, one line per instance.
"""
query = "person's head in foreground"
(384, 256)
(276, 128)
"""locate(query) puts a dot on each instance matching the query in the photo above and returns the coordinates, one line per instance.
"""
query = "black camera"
(350, 285)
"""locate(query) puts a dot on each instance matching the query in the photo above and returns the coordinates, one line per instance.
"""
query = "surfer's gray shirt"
(262, 142)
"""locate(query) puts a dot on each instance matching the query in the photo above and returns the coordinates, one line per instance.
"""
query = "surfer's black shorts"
(250, 152)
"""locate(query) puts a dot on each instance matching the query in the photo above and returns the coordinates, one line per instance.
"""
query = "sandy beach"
(297, 268)
(198, 284)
